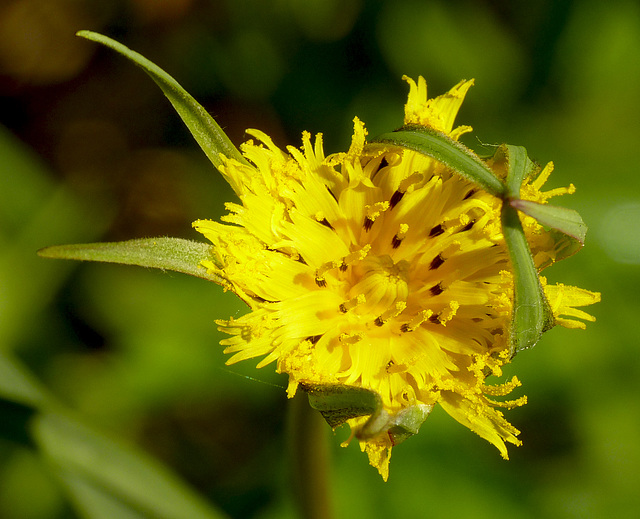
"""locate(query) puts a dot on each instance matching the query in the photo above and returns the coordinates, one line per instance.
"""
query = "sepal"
(531, 315)
(339, 403)
(442, 148)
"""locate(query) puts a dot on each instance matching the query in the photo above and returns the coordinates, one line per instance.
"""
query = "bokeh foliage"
(91, 151)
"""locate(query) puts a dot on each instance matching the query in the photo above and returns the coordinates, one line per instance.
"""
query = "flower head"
(382, 269)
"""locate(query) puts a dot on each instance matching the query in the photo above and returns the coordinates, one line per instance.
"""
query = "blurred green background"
(90, 150)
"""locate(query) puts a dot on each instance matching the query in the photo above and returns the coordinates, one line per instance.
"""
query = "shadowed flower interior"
(382, 270)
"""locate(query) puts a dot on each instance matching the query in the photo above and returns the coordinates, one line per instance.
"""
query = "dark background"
(90, 150)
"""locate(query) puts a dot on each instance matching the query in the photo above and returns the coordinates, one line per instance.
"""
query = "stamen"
(341, 264)
(319, 216)
(332, 194)
(350, 338)
(395, 198)
(436, 231)
(448, 313)
(357, 255)
(368, 223)
(436, 290)
(470, 194)
(468, 226)
(409, 181)
(420, 318)
(373, 211)
(436, 262)
(400, 235)
(383, 164)
(402, 188)
(352, 303)
(390, 313)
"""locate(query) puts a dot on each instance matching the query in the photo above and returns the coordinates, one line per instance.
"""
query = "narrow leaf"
(162, 253)
(439, 146)
(562, 219)
(202, 126)
(98, 470)
(101, 470)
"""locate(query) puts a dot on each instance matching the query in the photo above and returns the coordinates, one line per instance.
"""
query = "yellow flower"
(382, 270)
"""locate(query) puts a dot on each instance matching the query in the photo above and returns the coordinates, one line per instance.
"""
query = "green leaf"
(202, 126)
(162, 253)
(439, 146)
(562, 219)
(100, 473)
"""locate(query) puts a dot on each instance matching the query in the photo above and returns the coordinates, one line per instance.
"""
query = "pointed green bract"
(439, 146)
(161, 253)
(567, 221)
(520, 167)
(531, 313)
(338, 403)
(202, 126)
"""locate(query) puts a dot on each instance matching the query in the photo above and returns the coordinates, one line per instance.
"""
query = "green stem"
(309, 460)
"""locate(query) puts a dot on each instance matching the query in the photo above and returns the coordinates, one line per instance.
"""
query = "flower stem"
(309, 460)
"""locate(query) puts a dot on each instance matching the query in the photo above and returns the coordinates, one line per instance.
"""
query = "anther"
(436, 231)
(350, 338)
(402, 188)
(368, 223)
(342, 264)
(352, 303)
(390, 313)
(356, 255)
(373, 211)
(395, 198)
(448, 312)
(468, 226)
(400, 235)
(436, 262)
(321, 219)
(436, 290)
(415, 323)
(469, 194)
(383, 164)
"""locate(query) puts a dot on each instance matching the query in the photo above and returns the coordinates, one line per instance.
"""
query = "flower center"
(383, 283)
